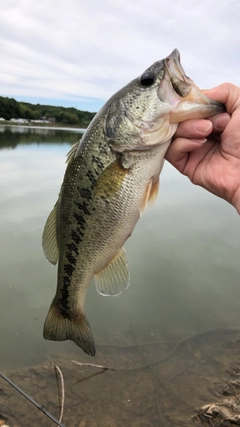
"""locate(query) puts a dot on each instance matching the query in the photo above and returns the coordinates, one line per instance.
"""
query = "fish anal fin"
(114, 278)
(74, 328)
(49, 237)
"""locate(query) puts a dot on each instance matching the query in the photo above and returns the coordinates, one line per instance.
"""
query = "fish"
(112, 174)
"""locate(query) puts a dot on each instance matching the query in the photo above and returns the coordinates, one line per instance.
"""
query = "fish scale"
(111, 176)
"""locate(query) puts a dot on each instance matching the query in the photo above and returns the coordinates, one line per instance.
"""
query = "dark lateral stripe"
(71, 258)
(85, 193)
(97, 160)
(80, 219)
(65, 297)
(83, 207)
(69, 269)
(77, 236)
(91, 176)
(72, 248)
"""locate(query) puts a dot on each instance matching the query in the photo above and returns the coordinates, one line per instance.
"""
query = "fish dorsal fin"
(49, 238)
(114, 278)
(72, 152)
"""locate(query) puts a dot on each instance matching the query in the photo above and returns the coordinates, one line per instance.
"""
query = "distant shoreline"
(24, 113)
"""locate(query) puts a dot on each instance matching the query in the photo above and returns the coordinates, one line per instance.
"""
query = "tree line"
(10, 108)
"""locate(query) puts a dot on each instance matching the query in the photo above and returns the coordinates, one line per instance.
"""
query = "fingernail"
(199, 141)
(203, 126)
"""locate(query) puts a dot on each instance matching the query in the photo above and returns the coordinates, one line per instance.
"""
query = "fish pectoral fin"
(114, 278)
(75, 328)
(111, 180)
(49, 237)
(150, 195)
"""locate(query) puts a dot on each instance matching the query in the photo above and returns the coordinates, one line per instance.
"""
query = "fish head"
(148, 110)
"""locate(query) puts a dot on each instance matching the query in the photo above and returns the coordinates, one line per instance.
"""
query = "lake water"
(183, 257)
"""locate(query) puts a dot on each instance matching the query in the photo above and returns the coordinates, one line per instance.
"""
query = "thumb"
(226, 93)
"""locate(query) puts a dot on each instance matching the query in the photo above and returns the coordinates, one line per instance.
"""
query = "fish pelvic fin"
(49, 237)
(114, 278)
(150, 195)
(154, 192)
(77, 329)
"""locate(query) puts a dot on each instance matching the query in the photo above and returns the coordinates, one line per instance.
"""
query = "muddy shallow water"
(154, 384)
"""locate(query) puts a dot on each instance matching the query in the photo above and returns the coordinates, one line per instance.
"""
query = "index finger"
(194, 128)
(203, 127)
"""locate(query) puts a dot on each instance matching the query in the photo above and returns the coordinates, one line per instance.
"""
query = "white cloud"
(69, 50)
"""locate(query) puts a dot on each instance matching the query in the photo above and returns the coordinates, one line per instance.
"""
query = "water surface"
(183, 258)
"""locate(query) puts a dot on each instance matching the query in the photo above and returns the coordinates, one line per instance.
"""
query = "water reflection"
(11, 136)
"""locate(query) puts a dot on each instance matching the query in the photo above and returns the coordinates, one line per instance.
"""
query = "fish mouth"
(180, 82)
(182, 94)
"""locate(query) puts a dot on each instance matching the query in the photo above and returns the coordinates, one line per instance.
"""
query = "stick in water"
(62, 391)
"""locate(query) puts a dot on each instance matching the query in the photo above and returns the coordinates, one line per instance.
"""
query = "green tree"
(10, 108)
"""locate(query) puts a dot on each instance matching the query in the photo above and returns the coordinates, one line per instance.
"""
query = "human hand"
(208, 151)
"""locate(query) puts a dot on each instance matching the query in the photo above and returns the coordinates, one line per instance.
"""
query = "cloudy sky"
(79, 52)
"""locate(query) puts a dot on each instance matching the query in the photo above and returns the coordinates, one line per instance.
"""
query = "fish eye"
(147, 78)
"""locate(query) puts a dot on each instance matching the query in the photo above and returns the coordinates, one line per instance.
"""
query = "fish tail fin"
(77, 329)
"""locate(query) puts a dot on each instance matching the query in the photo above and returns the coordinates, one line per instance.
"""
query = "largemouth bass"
(111, 176)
